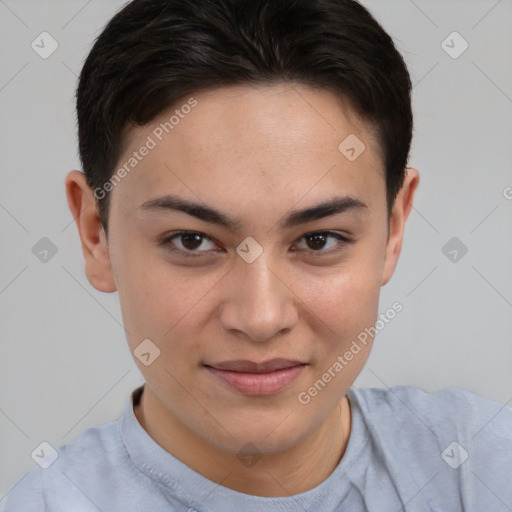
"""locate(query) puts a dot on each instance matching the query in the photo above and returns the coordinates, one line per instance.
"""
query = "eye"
(190, 241)
(318, 240)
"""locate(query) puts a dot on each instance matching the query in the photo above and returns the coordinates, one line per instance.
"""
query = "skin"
(256, 154)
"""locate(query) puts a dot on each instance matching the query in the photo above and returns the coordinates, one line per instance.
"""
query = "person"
(245, 191)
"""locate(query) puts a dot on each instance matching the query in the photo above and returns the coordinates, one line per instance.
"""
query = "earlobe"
(83, 207)
(399, 214)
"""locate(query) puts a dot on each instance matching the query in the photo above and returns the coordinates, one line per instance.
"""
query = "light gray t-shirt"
(408, 450)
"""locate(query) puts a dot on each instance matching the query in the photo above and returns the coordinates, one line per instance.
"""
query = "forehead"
(284, 139)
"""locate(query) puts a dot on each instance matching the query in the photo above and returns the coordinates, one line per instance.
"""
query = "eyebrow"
(334, 206)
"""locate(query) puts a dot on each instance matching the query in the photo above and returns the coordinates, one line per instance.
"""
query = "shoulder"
(88, 459)
(451, 409)
(453, 432)
(26, 494)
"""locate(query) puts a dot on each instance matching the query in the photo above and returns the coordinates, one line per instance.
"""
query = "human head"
(261, 138)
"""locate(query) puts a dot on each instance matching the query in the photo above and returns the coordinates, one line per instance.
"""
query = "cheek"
(160, 301)
(346, 306)
(346, 295)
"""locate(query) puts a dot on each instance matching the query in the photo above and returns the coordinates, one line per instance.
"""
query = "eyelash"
(166, 241)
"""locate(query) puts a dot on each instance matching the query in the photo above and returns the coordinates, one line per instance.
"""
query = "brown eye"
(186, 243)
(191, 241)
(317, 242)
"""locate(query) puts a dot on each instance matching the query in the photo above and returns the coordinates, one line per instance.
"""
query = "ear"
(83, 207)
(399, 213)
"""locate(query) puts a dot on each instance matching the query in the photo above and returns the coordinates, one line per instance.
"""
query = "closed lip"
(246, 366)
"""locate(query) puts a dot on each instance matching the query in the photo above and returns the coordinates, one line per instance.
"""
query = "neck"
(290, 472)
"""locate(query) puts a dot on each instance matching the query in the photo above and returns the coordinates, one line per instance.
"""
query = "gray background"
(65, 365)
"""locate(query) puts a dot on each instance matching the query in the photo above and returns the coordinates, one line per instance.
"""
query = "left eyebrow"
(334, 206)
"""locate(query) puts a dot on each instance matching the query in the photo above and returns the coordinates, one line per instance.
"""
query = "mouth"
(253, 378)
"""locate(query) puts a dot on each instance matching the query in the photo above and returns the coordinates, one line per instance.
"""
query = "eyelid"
(327, 233)
(167, 239)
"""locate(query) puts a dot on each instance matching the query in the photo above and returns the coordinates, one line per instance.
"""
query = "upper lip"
(245, 366)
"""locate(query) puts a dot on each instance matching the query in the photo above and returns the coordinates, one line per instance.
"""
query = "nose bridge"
(260, 305)
(260, 276)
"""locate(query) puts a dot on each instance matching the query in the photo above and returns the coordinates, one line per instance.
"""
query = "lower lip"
(258, 383)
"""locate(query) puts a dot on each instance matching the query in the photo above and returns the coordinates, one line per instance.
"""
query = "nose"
(259, 304)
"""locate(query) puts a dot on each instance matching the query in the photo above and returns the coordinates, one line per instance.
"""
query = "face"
(259, 273)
